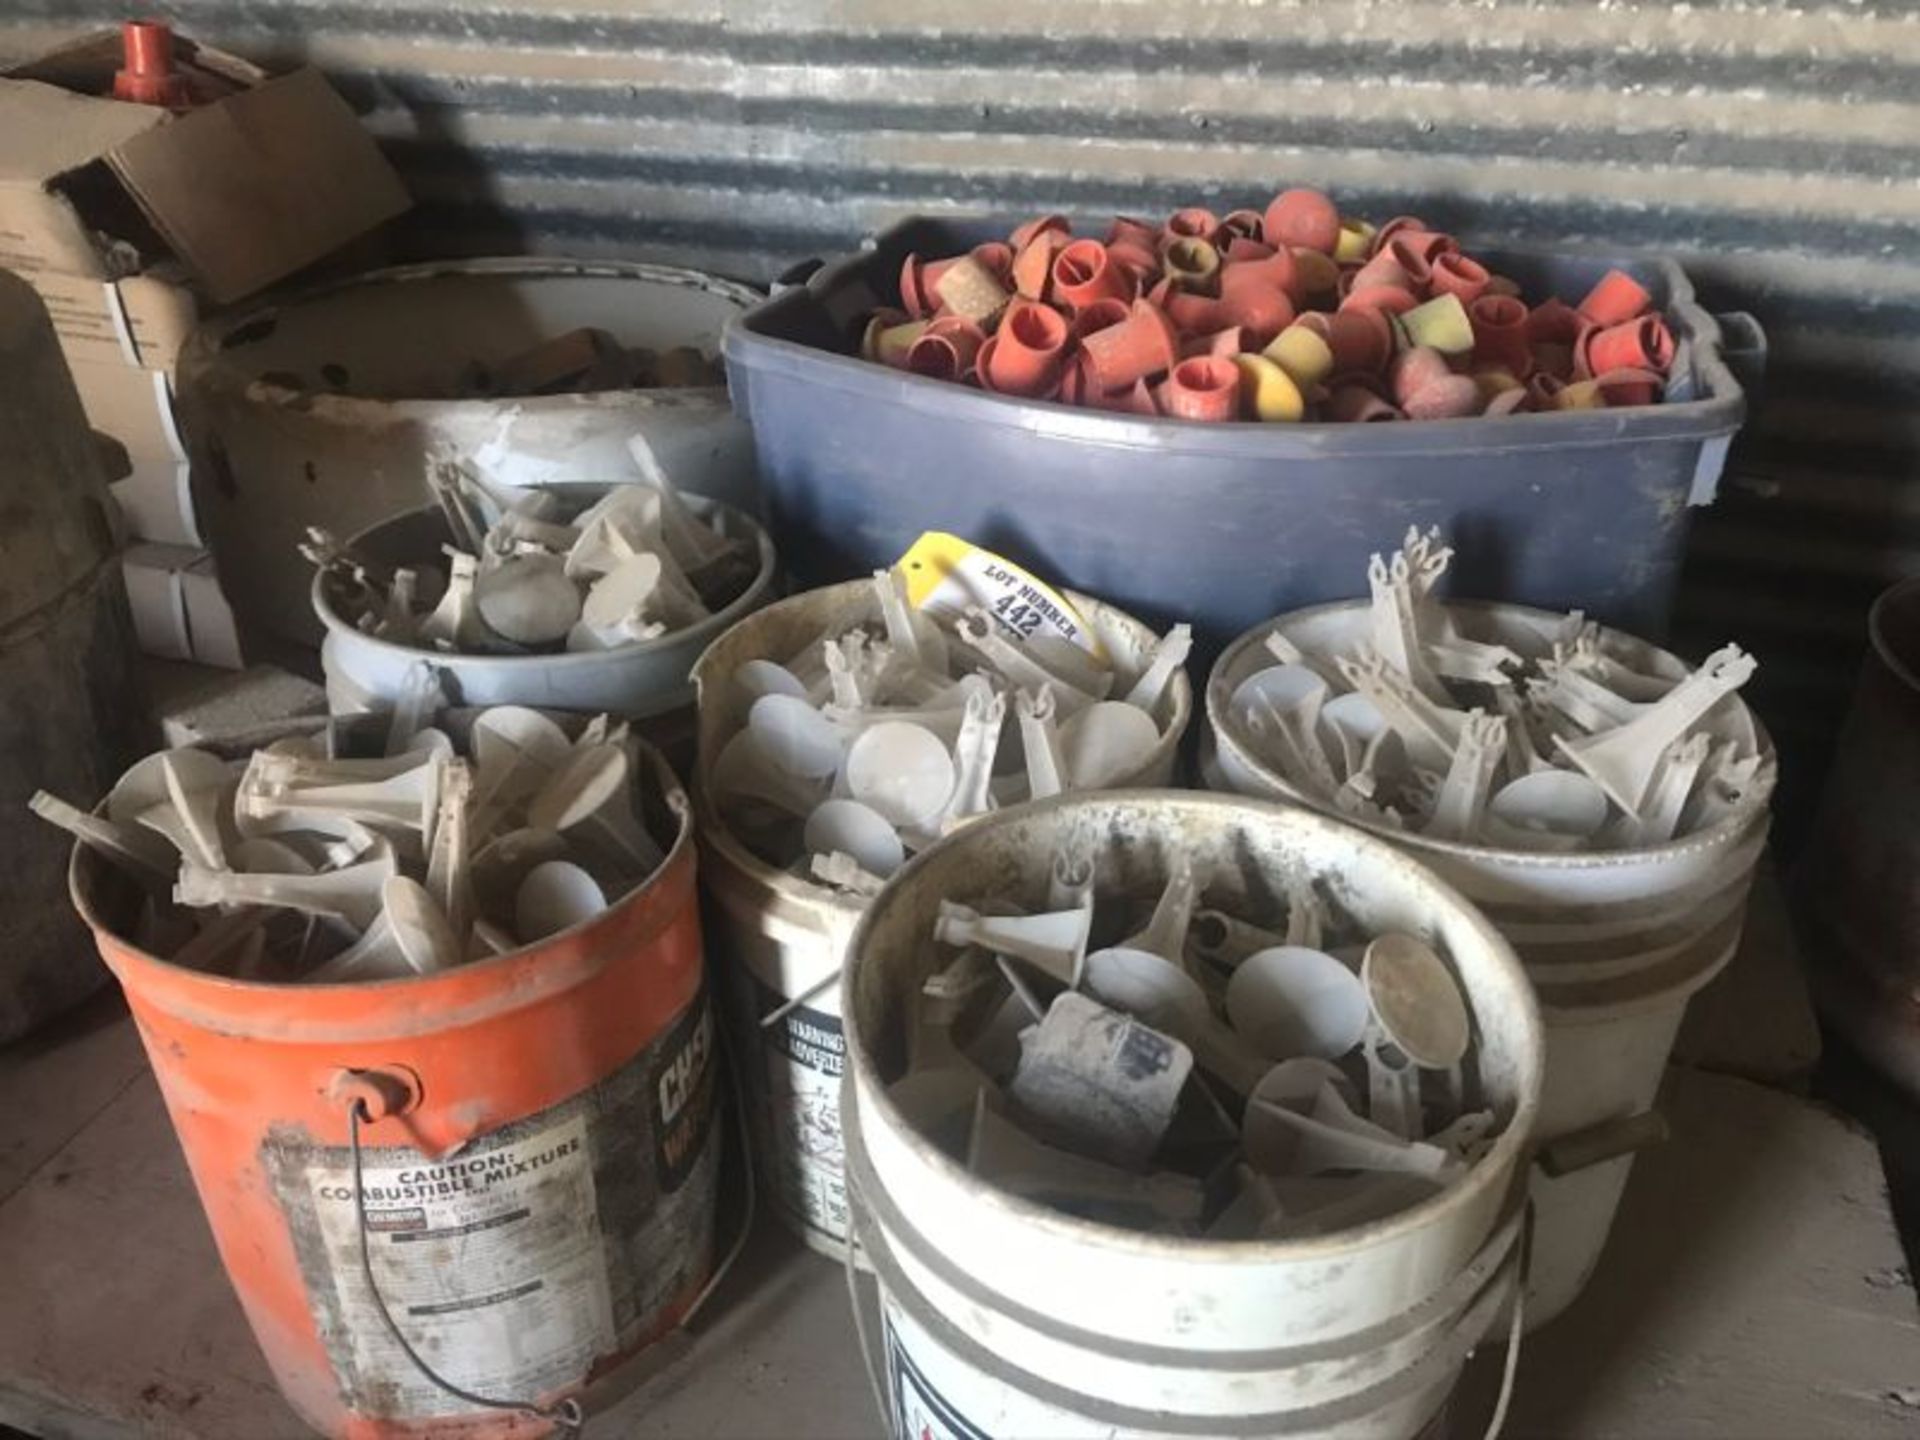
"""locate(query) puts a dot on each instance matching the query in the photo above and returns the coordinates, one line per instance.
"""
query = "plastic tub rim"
(1718, 836)
(1720, 410)
(1505, 1162)
(1579, 429)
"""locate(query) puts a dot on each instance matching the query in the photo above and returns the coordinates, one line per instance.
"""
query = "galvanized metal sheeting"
(1772, 148)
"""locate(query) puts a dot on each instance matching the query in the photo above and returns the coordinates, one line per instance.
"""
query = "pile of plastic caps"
(1299, 313)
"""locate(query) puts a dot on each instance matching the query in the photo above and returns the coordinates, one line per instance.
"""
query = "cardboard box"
(156, 502)
(178, 610)
(210, 623)
(126, 217)
(140, 321)
(158, 602)
(134, 408)
(241, 191)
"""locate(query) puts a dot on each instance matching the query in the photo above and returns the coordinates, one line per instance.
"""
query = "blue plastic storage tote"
(1224, 525)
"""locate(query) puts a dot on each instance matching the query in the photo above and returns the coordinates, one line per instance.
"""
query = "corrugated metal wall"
(1771, 147)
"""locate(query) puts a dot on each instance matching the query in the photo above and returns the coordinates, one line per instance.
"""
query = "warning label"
(489, 1263)
(919, 1411)
(516, 1263)
(805, 1055)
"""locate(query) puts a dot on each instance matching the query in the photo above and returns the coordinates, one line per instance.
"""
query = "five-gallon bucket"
(780, 938)
(1614, 942)
(537, 1162)
(646, 681)
(1004, 1317)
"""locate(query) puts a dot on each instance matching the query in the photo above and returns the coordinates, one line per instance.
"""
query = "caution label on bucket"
(489, 1261)
(805, 1055)
(526, 1257)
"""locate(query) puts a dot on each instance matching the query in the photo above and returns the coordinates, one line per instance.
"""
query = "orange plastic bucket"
(539, 1159)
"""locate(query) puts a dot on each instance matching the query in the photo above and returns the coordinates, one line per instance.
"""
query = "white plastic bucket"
(271, 458)
(1607, 1048)
(1004, 1317)
(1615, 943)
(778, 936)
(647, 681)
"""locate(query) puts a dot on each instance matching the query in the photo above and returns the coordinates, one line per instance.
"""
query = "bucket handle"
(1516, 1329)
(744, 1138)
(565, 1416)
(1743, 345)
(882, 1392)
(370, 1095)
(1745, 355)
(1596, 1144)
(796, 276)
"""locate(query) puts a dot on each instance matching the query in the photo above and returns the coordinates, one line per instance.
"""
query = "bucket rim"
(566, 662)
(1503, 1164)
(715, 835)
(718, 835)
(1752, 815)
(207, 350)
(220, 1001)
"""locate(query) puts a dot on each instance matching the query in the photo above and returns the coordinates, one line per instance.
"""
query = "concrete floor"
(1754, 1286)
(1846, 1083)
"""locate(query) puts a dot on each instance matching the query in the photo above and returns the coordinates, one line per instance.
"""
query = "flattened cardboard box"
(134, 408)
(156, 502)
(242, 191)
(178, 610)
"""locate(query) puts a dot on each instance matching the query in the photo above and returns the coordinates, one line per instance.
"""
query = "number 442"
(1017, 615)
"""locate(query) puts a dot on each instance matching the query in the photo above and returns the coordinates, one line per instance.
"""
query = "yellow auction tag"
(945, 575)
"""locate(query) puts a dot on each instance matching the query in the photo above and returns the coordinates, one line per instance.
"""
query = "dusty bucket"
(647, 681)
(778, 937)
(1853, 881)
(1615, 943)
(1005, 1317)
(539, 1154)
(323, 408)
(66, 641)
